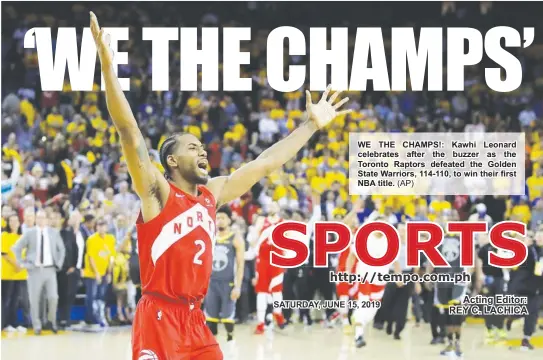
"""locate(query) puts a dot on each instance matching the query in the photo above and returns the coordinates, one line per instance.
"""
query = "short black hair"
(88, 218)
(167, 148)
(225, 209)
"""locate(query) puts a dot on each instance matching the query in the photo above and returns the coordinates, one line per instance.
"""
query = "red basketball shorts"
(164, 330)
(346, 289)
(269, 279)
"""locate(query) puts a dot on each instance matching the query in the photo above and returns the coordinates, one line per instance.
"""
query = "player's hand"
(234, 295)
(418, 288)
(399, 284)
(323, 112)
(102, 42)
(253, 281)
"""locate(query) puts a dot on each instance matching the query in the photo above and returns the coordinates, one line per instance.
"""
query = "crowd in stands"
(61, 156)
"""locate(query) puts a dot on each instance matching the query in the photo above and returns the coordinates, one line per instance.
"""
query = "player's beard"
(201, 180)
(194, 177)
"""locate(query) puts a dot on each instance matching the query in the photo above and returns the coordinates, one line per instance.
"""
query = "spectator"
(527, 117)
(521, 211)
(120, 282)
(100, 250)
(44, 257)
(87, 228)
(69, 276)
(125, 201)
(537, 215)
(119, 230)
(14, 278)
(481, 215)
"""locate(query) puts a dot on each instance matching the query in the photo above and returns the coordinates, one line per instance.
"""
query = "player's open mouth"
(202, 166)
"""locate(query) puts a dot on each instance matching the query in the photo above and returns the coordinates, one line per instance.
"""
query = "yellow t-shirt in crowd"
(101, 249)
(318, 184)
(8, 270)
(523, 212)
(438, 206)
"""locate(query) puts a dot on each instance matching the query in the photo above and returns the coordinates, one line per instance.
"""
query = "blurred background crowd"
(62, 164)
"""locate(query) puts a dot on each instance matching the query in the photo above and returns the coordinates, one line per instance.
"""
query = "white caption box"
(437, 163)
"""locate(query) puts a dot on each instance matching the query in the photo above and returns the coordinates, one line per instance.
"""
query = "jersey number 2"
(202, 245)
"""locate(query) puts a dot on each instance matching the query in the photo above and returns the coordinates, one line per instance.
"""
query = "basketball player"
(345, 290)
(377, 247)
(447, 294)
(176, 226)
(227, 275)
(268, 279)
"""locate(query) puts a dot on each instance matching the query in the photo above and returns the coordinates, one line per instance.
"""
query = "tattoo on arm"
(143, 155)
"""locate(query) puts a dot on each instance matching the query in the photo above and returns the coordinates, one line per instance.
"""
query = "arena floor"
(294, 343)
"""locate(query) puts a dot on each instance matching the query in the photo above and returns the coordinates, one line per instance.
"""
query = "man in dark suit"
(70, 275)
(44, 257)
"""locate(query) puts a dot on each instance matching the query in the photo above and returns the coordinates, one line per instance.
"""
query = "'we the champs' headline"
(421, 56)
(510, 251)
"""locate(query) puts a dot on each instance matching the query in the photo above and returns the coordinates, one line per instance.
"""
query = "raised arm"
(227, 188)
(149, 183)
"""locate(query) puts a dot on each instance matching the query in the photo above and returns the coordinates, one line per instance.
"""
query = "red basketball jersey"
(266, 244)
(176, 247)
(342, 260)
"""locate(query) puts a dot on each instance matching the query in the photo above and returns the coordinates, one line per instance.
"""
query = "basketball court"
(294, 343)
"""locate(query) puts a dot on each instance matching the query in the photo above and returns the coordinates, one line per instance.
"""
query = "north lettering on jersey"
(179, 227)
(190, 221)
(517, 250)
